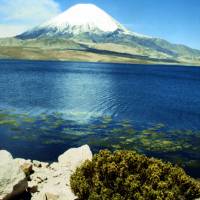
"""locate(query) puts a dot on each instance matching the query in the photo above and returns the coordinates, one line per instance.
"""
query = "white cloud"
(19, 15)
(11, 30)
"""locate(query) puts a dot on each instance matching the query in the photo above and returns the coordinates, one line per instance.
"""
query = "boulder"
(5, 157)
(12, 179)
(74, 157)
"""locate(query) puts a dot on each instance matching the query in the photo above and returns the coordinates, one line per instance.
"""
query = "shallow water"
(48, 107)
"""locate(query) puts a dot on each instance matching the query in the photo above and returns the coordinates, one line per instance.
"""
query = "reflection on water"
(142, 94)
(48, 107)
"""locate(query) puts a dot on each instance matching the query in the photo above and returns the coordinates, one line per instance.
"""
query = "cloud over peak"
(25, 14)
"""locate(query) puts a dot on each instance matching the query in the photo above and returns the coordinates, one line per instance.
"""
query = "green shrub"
(126, 175)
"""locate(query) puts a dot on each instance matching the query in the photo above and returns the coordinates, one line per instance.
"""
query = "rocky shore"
(41, 180)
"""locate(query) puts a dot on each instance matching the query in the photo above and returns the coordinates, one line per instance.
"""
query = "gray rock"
(5, 157)
(12, 178)
(74, 157)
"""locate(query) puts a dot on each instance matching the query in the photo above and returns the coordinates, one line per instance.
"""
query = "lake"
(48, 107)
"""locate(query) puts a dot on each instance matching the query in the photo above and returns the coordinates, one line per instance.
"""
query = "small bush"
(126, 175)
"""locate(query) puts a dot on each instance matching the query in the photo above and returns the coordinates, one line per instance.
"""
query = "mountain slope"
(86, 27)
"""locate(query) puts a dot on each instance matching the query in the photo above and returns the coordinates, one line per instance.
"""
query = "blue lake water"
(88, 102)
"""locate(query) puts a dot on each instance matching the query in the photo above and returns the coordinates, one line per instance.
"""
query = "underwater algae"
(178, 146)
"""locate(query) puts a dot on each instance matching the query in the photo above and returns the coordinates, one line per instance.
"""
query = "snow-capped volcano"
(79, 19)
(84, 18)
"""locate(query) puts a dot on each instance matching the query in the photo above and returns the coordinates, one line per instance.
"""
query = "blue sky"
(175, 20)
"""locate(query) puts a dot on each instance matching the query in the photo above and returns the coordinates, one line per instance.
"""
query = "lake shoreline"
(35, 180)
(103, 62)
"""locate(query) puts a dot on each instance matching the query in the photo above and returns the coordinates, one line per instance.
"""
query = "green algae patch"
(148, 132)
(115, 130)
(116, 146)
(28, 138)
(28, 120)
(126, 124)
(130, 140)
(9, 122)
(82, 133)
(3, 116)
